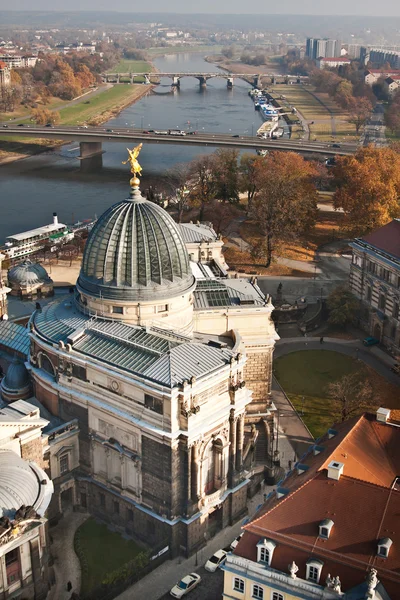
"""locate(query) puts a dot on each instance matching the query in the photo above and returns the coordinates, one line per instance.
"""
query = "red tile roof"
(364, 505)
(2, 64)
(386, 238)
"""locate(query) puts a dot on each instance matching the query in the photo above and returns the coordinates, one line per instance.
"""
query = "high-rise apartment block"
(322, 48)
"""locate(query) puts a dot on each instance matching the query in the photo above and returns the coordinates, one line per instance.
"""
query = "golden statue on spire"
(136, 169)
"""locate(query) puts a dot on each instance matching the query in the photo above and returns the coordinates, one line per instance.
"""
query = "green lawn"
(131, 66)
(103, 552)
(307, 374)
(108, 100)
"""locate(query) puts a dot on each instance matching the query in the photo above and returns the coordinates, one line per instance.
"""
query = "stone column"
(189, 475)
(123, 474)
(232, 448)
(195, 472)
(240, 438)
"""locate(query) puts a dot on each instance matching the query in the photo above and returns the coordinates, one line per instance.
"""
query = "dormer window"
(265, 551)
(325, 528)
(384, 547)
(313, 570)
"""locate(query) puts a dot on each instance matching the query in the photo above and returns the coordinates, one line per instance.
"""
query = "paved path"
(66, 562)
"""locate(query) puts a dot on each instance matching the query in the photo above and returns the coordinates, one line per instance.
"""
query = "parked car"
(185, 585)
(5, 126)
(215, 561)
(336, 146)
(236, 541)
(20, 125)
(370, 341)
(49, 125)
(236, 135)
(109, 131)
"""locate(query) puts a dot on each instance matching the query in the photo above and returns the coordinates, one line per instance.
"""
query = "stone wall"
(33, 450)
(258, 377)
(157, 476)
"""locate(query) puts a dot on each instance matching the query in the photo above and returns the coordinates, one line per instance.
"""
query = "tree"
(342, 306)
(229, 52)
(351, 395)
(43, 116)
(285, 204)
(182, 184)
(226, 175)
(201, 170)
(359, 109)
(368, 188)
(248, 176)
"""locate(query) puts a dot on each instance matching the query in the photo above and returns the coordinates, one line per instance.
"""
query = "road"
(128, 136)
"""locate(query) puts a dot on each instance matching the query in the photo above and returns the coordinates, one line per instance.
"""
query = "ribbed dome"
(18, 483)
(135, 252)
(17, 376)
(27, 273)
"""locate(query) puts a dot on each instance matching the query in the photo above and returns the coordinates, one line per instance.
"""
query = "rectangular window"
(102, 500)
(64, 464)
(385, 274)
(258, 592)
(395, 311)
(277, 596)
(382, 302)
(83, 500)
(313, 574)
(153, 403)
(79, 372)
(369, 294)
(130, 514)
(116, 508)
(162, 308)
(238, 585)
(264, 555)
(118, 310)
(11, 557)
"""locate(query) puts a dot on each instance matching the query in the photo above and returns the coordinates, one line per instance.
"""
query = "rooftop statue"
(136, 169)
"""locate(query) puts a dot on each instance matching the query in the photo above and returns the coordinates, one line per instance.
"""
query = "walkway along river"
(31, 189)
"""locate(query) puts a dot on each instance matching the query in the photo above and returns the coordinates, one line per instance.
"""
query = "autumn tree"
(367, 188)
(285, 204)
(182, 184)
(350, 396)
(342, 306)
(43, 116)
(360, 110)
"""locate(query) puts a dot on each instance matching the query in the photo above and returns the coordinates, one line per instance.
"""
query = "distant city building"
(321, 48)
(332, 62)
(375, 280)
(354, 51)
(391, 85)
(79, 47)
(16, 61)
(5, 74)
(380, 57)
(329, 530)
(372, 76)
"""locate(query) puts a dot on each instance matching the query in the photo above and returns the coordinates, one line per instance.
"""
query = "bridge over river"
(91, 138)
(255, 78)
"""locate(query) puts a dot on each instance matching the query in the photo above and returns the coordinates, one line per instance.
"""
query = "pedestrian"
(321, 340)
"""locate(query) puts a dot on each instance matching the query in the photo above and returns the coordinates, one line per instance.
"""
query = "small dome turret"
(16, 384)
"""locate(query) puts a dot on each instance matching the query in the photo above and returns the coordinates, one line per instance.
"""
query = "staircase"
(261, 450)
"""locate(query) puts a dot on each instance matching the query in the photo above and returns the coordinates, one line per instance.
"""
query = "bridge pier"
(229, 83)
(91, 156)
(146, 79)
(176, 81)
(257, 81)
(202, 81)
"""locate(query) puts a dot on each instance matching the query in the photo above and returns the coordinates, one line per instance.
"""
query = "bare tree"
(351, 395)
(181, 183)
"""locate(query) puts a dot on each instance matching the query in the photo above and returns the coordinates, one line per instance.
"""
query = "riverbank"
(96, 111)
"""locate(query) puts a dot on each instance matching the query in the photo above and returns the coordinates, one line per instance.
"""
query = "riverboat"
(23, 244)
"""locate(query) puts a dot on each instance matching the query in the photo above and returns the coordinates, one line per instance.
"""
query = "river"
(31, 189)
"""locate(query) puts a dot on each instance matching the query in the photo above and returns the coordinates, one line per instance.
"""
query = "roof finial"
(136, 169)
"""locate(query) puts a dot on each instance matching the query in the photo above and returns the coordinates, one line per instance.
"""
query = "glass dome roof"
(135, 252)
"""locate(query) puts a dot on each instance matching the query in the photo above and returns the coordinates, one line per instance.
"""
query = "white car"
(236, 541)
(185, 585)
(215, 561)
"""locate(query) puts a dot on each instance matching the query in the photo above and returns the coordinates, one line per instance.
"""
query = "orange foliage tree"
(368, 188)
(285, 203)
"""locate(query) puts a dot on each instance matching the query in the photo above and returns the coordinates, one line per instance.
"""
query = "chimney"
(335, 470)
(55, 219)
(382, 415)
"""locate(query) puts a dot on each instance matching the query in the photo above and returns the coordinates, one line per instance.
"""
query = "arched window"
(47, 365)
